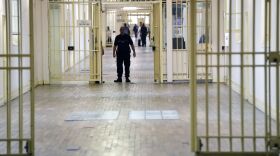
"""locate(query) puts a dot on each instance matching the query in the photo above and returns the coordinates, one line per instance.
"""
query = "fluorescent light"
(129, 8)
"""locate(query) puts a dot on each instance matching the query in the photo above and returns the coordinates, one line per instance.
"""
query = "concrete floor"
(123, 137)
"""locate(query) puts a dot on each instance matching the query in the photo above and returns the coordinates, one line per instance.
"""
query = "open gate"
(238, 113)
(17, 127)
(74, 41)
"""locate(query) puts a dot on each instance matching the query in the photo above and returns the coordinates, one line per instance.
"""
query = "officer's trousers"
(120, 61)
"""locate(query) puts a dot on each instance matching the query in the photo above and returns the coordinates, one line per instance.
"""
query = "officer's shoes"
(118, 80)
(127, 80)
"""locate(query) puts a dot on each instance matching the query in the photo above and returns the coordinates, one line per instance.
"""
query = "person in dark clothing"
(121, 50)
(144, 32)
(126, 29)
(135, 30)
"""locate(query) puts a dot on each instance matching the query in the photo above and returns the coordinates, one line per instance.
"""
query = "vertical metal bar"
(193, 87)
(20, 77)
(269, 67)
(95, 53)
(85, 45)
(160, 40)
(169, 46)
(188, 31)
(73, 40)
(32, 83)
(176, 17)
(254, 74)
(265, 75)
(50, 48)
(230, 74)
(206, 76)
(8, 76)
(67, 35)
(242, 76)
(218, 77)
(91, 39)
(277, 70)
(182, 43)
(100, 22)
(64, 28)
(79, 29)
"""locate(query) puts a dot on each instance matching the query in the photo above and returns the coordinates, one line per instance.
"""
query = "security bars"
(237, 114)
(17, 111)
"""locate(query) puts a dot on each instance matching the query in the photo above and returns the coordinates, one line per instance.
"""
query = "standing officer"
(122, 50)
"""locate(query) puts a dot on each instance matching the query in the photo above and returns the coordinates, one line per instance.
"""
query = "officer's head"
(122, 30)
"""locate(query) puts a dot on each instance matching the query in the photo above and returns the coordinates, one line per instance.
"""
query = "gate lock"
(274, 57)
(274, 144)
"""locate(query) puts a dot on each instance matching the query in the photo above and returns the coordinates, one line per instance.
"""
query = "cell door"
(236, 114)
(74, 41)
(17, 109)
(157, 36)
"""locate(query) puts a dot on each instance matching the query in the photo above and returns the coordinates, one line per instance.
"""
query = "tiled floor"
(121, 136)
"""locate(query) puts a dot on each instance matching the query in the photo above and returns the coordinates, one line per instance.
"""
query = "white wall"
(214, 38)
(41, 41)
(259, 47)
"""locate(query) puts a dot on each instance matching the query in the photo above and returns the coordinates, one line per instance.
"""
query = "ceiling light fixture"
(129, 8)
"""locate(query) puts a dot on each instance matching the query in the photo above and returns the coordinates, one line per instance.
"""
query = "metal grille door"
(237, 113)
(74, 41)
(17, 72)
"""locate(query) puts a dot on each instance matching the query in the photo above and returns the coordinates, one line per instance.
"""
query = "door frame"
(158, 41)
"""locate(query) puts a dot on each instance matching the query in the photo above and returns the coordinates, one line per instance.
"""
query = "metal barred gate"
(17, 129)
(238, 113)
(75, 41)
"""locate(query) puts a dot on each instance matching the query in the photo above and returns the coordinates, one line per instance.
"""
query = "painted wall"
(41, 41)
(259, 47)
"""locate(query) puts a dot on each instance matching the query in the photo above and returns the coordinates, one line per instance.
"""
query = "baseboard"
(41, 82)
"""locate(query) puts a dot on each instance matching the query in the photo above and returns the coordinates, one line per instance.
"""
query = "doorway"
(146, 66)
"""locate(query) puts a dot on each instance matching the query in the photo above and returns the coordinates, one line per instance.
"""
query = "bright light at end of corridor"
(129, 8)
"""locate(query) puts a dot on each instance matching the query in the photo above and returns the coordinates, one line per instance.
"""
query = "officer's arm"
(133, 49)
(114, 51)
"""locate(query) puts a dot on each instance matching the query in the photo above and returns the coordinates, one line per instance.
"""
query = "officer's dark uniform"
(123, 41)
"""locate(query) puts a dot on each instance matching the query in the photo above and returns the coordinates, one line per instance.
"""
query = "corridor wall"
(259, 57)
